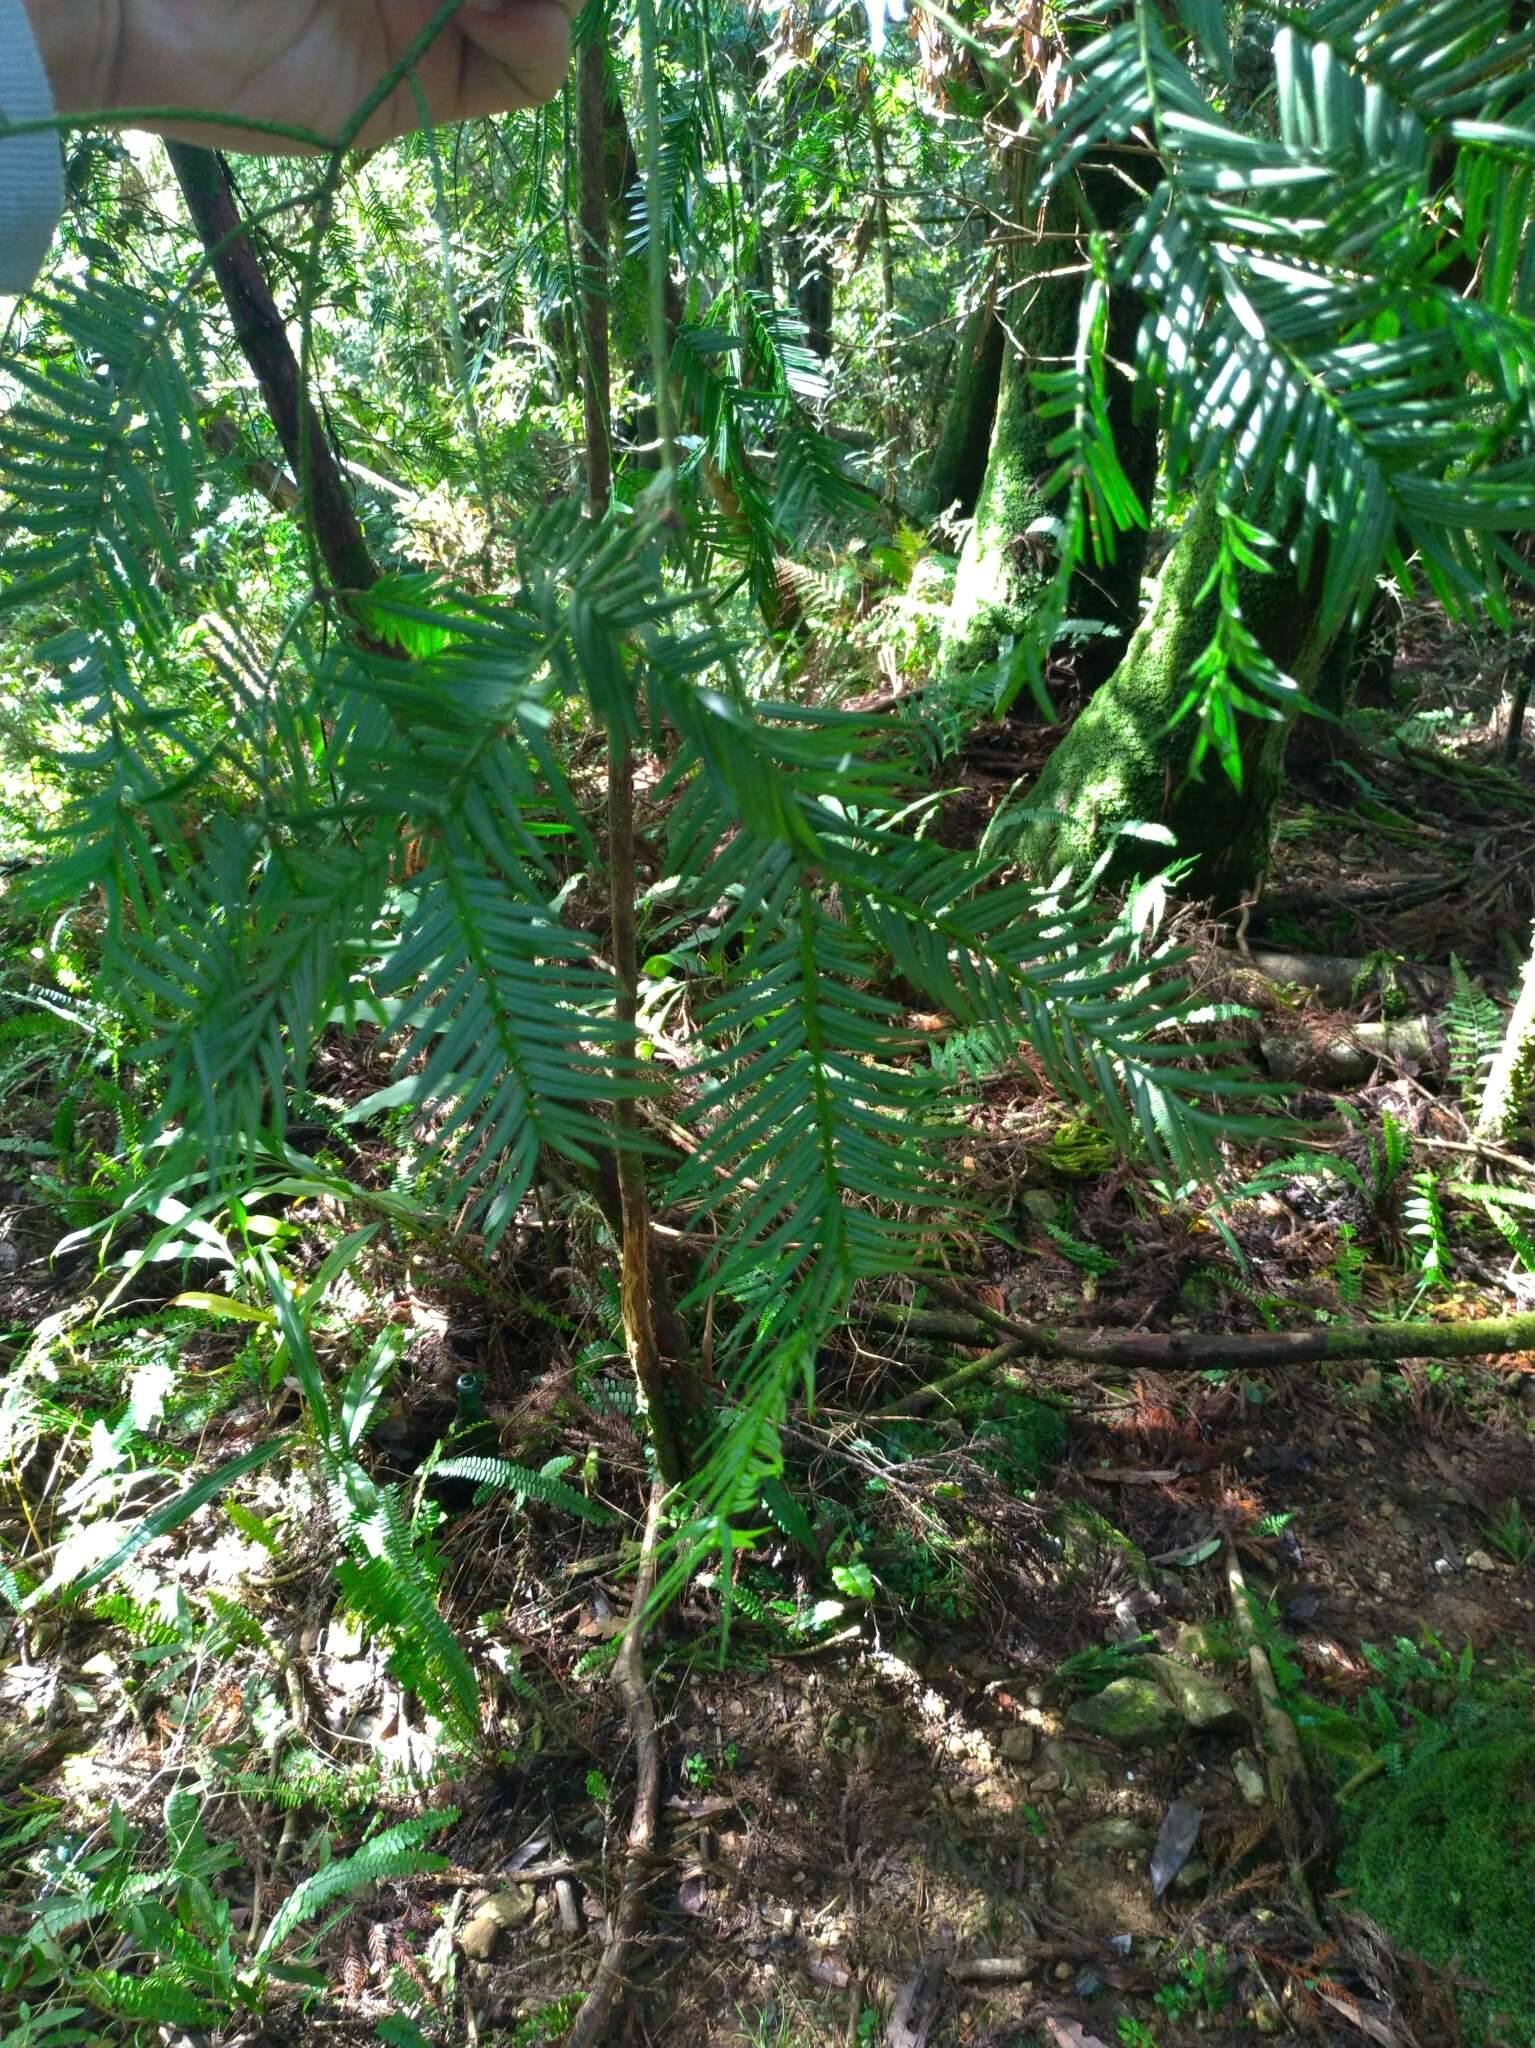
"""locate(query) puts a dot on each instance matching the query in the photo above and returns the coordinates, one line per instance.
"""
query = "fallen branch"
(1200, 1350)
(1019, 1969)
(918, 1402)
(596, 2013)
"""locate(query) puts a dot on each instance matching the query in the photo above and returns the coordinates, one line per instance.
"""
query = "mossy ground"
(1445, 1861)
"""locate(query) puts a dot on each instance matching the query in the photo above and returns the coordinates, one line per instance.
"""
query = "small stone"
(1201, 1703)
(1113, 1835)
(1193, 1877)
(1250, 1780)
(1063, 1973)
(1132, 1713)
(1017, 1744)
(1479, 1561)
(493, 1916)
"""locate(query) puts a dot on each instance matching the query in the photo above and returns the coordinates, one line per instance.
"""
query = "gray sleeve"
(31, 166)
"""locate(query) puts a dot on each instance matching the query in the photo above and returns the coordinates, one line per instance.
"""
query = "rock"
(1193, 1877)
(1132, 1713)
(994, 1790)
(1479, 1561)
(1201, 1703)
(1203, 1642)
(1113, 1835)
(1017, 1744)
(492, 1917)
(1074, 1767)
(1250, 1780)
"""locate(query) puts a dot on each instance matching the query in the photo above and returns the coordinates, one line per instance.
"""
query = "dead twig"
(596, 2013)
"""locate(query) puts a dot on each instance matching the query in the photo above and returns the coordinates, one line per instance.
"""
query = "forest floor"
(914, 1818)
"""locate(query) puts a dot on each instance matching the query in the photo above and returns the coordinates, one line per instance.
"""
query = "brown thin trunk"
(671, 1391)
(263, 338)
(668, 1387)
(596, 381)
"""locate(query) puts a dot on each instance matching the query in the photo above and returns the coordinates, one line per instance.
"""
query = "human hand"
(304, 63)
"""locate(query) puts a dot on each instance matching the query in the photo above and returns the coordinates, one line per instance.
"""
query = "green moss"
(1445, 1861)
(1085, 1535)
(1124, 762)
(1020, 1439)
(998, 582)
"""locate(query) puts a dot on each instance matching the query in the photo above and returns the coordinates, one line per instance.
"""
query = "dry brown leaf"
(1071, 2034)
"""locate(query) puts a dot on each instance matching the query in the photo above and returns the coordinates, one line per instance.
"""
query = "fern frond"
(395, 1853)
(387, 1585)
(1473, 1025)
(499, 1475)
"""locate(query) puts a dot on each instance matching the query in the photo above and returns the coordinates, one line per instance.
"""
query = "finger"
(516, 53)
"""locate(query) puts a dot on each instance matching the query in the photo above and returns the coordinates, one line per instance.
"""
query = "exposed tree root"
(1289, 1781)
(596, 2014)
(1337, 979)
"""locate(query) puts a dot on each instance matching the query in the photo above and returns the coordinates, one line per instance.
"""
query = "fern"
(1425, 1226)
(1348, 1267)
(499, 1475)
(394, 1854)
(1503, 1208)
(1473, 1025)
(1089, 1257)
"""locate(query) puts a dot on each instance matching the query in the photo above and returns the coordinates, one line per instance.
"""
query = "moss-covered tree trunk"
(1124, 763)
(1007, 558)
(964, 441)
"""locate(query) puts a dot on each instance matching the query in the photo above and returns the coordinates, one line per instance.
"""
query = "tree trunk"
(263, 337)
(1006, 562)
(593, 129)
(1121, 764)
(964, 442)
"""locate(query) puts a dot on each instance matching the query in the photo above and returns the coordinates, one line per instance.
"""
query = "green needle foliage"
(1303, 255)
(818, 1136)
